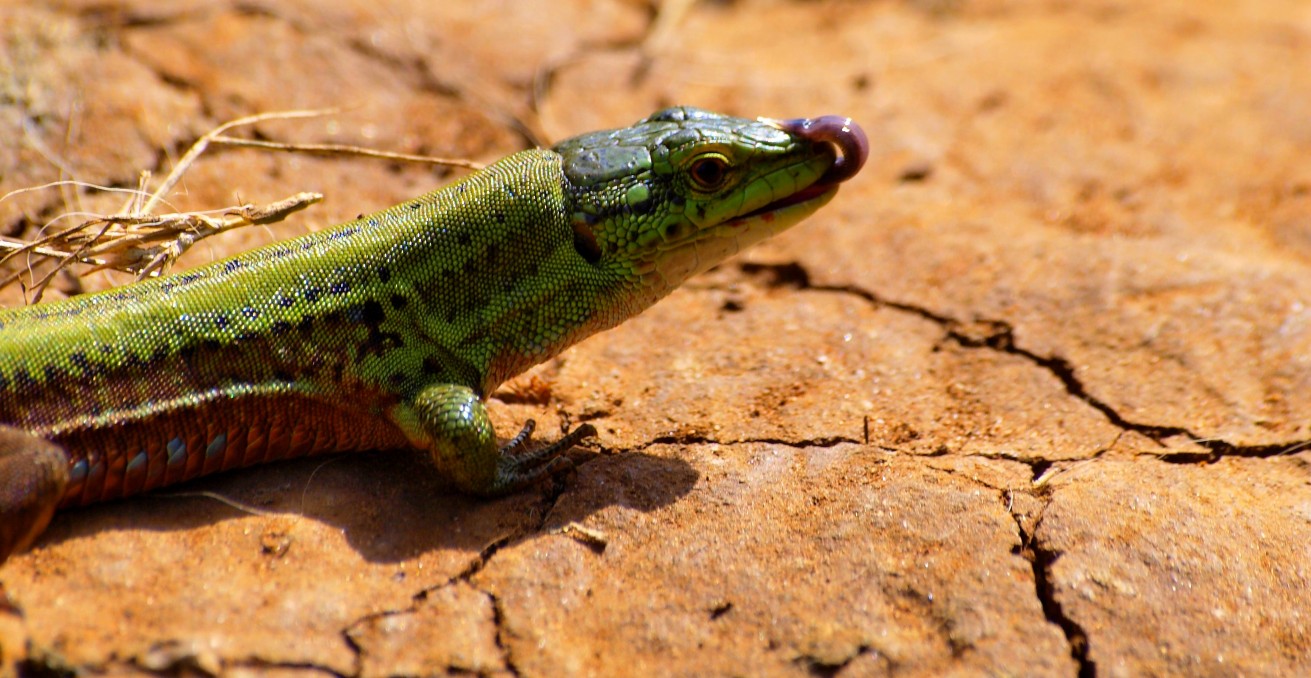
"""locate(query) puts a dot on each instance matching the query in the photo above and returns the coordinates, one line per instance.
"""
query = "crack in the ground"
(357, 651)
(999, 335)
(546, 506)
(826, 668)
(1040, 561)
(259, 665)
(417, 599)
(1038, 464)
(697, 439)
(1045, 588)
(498, 620)
(552, 496)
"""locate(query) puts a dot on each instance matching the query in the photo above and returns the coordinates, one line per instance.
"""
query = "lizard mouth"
(850, 149)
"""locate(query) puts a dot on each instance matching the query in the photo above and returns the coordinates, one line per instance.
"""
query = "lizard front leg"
(451, 423)
(33, 477)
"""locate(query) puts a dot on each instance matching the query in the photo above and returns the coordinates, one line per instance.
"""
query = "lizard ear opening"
(585, 239)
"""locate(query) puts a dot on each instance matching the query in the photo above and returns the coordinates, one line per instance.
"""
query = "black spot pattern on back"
(372, 314)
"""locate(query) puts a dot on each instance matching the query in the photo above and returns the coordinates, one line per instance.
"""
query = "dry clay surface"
(1029, 397)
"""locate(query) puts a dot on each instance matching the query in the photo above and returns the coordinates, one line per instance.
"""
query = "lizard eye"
(709, 172)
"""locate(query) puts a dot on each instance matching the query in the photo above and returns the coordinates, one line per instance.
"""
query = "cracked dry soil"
(1027, 398)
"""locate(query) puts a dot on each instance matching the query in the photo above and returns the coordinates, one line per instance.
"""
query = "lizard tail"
(33, 476)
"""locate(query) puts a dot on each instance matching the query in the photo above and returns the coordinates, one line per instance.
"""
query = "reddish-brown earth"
(1030, 397)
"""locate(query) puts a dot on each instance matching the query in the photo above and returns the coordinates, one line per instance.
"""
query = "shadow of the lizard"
(390, 506)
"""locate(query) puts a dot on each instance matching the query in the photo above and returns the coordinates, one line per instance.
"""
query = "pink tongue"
(846, 135)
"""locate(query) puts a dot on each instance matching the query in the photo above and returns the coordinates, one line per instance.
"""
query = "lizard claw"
(518, 468)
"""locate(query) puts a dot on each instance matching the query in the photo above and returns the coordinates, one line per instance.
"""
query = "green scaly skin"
(389, 331)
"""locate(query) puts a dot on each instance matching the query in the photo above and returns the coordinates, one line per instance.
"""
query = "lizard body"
(389, 331)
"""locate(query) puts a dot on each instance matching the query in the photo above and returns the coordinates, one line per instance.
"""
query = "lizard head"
(684, 189)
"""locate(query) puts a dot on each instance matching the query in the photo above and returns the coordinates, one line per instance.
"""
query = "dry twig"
(136, 241)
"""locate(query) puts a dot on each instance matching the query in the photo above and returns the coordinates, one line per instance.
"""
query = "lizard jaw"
(733, 236)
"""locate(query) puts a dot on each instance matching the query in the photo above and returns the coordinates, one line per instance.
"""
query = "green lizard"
(389, 331)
